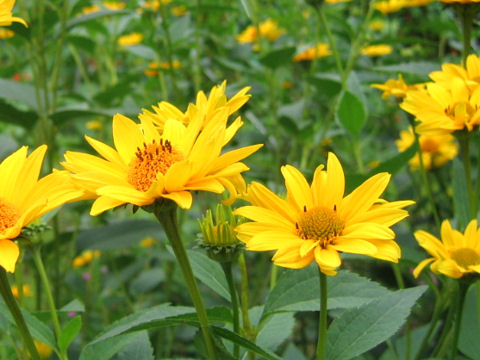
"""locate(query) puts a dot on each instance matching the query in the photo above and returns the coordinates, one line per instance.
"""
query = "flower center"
(466, 257)
(149, 161)
(319, 223)
(429, 145)
(8, 215)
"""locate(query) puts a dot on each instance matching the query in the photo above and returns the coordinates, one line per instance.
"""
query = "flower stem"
(464, 140)
(227, 268)
(17, 314)
(167, 216)
(244, 301)
(37, 258)
(322, 323)
(462, 292)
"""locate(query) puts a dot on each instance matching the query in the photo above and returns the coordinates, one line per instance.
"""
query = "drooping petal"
(9, 254)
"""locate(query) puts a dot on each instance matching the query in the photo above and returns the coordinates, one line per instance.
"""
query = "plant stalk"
(322, 323)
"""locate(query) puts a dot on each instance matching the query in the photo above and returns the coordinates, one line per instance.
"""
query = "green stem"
(462, 292)
(227, 269)
(166, 214)
(12, 305)
(358, 154)
(433, 323)
(273, 276)
(466, 14)
(197, 76)
(168, 40)
(464, 140)
(244, 301)
(37, 258)
(444, 336)
(322, 323)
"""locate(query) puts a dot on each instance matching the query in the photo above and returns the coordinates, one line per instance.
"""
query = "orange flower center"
(466, 257)
(319, 223)
(149, 161)
(429, 145)
(8, 215)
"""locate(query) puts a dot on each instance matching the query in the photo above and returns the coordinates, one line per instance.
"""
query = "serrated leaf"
(275, 330)
(106, 349)
(461, 202)
(351, 113)
(69, 332)
(277, 57)
(209, 272)
(138, 349)
(118, 235)
(360, 329)
(299, 290)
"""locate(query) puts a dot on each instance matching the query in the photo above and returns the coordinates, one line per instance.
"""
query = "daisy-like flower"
(148, 165)
(24, 198)
(377, 50)
(455, 255)
(389, 6)
(6, 17)
(436, 149)
(130, 39)
(268, 29)
(316, 222)
(205, 106)
(319, 51)
(397, 88)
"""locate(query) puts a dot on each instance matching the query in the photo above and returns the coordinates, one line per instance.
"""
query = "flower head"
(436, 149)
(397, 88)
(130, 39)
(377, 50)
(23, 197)
(6, 17)
(455, 255)
(313, 52)
(268, 29)
(149, 163)
(316, 222)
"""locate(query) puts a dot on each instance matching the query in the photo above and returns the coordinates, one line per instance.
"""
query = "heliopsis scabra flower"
(436, 149)
(389, 6)
(268, 29)
(455, 255)
(130, 39)
(397, 88)
(6, 17)
(23, 197)
(148, 165)
(311, 53)
(377, 50)
(206, 107)
(316, 222)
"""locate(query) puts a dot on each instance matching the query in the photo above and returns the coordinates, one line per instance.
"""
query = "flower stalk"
(322, 323)
(227, 268)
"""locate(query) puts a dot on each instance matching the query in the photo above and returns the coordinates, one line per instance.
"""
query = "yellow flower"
(94, 125)
(148, 164)
(412, 3)
(336, 1)
(389, 6)
(154, 65)
(44, 350)
(436, 149)
(6, 34)
(376, 25)
(85, 258)
(397, 88)
(27, 291)
(309, 54)
(179, 10)
(23, 197)
(90, 9)
(268, 29)
(455, 255)
(377, 50)
(6, 17)
(206, 107)
(130, 39)
(155, 4)
(114, 5)
(316, 222)
(148, 242)
(450, 103)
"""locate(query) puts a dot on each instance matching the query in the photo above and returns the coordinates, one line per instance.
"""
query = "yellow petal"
(327, 257)
(335, 184)
(182, 198)
(104, 203)
(104, 150)
(354, 246)
(297, 187)
(10, 253)
(127, 137)
(267, 216)
(421, 266)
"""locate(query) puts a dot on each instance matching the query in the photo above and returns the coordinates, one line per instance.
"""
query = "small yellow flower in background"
(153, 67)
(44, 351)
(130, 39)
(460, 1)
(450, 103)
(316, 222)
(412, 3)
(90, 9)
(377, 50)
(85, 258)
(6, 17)
(27, 291)
(179, 10)
(94, 125)
(336, 1)
(170, 161)
(24, 198)
(148, 242)
(268, 29)
(455, 255)
(389, 6)
(155, 4)
(114, 5)
(287, 85)
(6, 34)
(376, 25)
(397, 88)
(436, 149)
(321, 50)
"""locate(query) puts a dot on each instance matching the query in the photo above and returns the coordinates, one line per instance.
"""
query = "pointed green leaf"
(69, 332)
(278, 57)
(351, 113)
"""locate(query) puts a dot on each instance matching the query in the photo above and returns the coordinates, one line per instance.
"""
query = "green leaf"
(106, 349)
(92, 16)
(38, 329)
(7, 146)
(420, 68)
(395, 163)
(143, 51)
(147, 280)
(209, 272)
(74, 305)
(69, 332)
(326, 84)
(278, 57)
(139, 348)
(299, 290)
(21, 92)
(469, 341)
(351, 113)
(249, 9)
(275, 330)
(461, 203)
(359, 329)
(117, 235)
